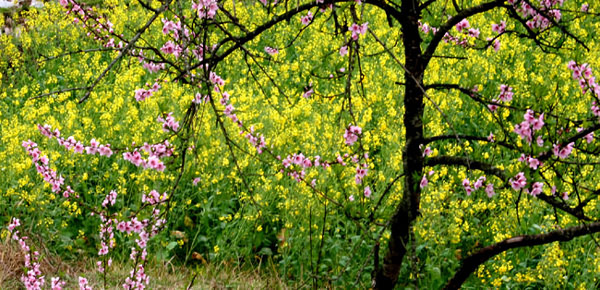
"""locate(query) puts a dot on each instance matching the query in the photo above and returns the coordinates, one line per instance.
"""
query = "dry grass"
(163, 275)
(12, 263)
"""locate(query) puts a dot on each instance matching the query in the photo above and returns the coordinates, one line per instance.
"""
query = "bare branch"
(471, 263)
(125, 49)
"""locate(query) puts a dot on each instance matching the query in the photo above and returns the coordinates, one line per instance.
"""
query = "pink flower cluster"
(257, 140)
(206, 8)
(154, 197)
(110, 199)
(426, 28)
(589, 137)
(169, 26)
(138, 279)
(536, 189)
(33, 278)
(142, 94)
(83, 284)
(308, 91)
(519, 182)
(171, 47)
(216, 80)
(533, 163)
(303, 162)
(71, 143)
(587, 82)
(537, 20)
(489, 187)
(153, 67)
(41, 164)
(499, 28)
(106, 233)
(155, 152)
(563, 152)
(583, 74)
(175, 27)
(101, 29)
(271, 50)
(506, 95)
(462, 25)
(361, 172)
(424, 181)
(351, 134)
(169, 123)
(199, 99)
(306, 19)
(529, 125)
(358, 29)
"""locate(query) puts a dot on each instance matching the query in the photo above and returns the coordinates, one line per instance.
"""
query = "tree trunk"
(407, 210)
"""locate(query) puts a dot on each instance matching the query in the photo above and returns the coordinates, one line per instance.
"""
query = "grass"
(163, 275)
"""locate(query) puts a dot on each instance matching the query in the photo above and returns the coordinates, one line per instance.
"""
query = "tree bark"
(408, 208)
(471, 263)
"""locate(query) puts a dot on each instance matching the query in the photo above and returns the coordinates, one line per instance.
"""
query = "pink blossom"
(367, 192)
(307, 18)
(589, 137)
(463, 24)
(308, 93)
(206, 8)
(496, 45)
(536, 188)
(351, 134)
(196, 181)
(564, 152)
(519, 181)
(423, 182)
(13, 224)
(479, 183)
(427, 151)
(171, 48)
(105, 150)
(83, 284)
(271, 51)
(474, 32)
(506, 93)
(499, 28)
(489, 189)
(467, 185)
(358, 29)
(540, 141)
(585, 7)
(57, 284)
(343, 50)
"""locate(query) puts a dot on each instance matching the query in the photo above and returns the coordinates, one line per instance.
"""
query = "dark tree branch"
(471, 263)
(242, 40)
(490, 169)
(124, 50)
(427, 55)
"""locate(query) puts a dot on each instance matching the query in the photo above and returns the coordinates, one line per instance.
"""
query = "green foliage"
(245, 210)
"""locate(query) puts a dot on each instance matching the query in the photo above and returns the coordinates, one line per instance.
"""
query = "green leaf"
(171, 245)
